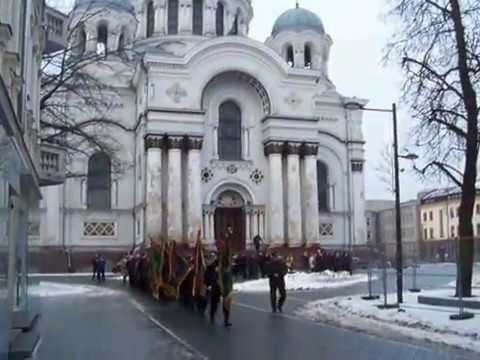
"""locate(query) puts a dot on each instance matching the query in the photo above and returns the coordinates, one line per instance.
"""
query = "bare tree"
(76, 101)
(437, 44)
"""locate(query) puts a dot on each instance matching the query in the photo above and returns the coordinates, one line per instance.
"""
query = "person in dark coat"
(131, 269)
(101, 264)
(94, 266)
(277, 269)
(213, 289)
(257, 242)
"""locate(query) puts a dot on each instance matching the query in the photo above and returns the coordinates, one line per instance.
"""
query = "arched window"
(173, 17)
(197, 17)
(82, 42)
(230, 131)
(323, 187)
(150, 19)
(308, 57)
(219, 19)
(102, 39)
(99, 182)
(290, 56)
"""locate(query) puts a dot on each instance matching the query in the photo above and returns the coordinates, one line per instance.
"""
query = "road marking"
(184, 342)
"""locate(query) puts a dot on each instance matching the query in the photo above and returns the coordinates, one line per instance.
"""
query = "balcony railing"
(51, 165)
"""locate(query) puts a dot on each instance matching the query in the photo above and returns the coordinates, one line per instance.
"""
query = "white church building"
(227, 130)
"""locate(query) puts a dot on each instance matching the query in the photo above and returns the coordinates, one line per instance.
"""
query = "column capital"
(293, 148)
(194, 143)
(274, 147)
(310, 149)
(154, 142)
(175, 142)
(357, 165)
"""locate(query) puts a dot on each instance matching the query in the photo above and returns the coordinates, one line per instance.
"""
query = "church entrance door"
(234, 217)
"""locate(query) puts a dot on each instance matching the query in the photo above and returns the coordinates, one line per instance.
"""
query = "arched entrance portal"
(230, 211)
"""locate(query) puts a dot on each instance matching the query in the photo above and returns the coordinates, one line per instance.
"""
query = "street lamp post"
(354, 105)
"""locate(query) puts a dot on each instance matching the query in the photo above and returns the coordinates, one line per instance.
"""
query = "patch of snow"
(475, 281)
(52, 289)
(302, 281)
(418, 321)
(36, 275)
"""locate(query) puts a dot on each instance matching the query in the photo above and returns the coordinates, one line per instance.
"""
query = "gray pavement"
(132, 325)
(107, 328)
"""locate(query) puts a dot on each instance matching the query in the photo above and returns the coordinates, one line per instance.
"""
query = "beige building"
(439, 215)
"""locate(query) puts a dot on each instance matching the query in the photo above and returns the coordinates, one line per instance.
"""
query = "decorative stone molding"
(176, 93)
(357, 166)
(154, 142)
(326, 230)
(293, 148)
(175, 142)
(232, 169)
(293, 100)
(207, 175)
(194, 143)
(274, 147)
(225, 164)
(310, 149)
(257, 176)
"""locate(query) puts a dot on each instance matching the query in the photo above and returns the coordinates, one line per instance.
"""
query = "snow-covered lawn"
(421, 322)
(302, 281)
(52, 289)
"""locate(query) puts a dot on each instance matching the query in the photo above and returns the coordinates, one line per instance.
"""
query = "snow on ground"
(421, 322)
(63, 275)
(302, 281)
(475, 281)
(52, 289)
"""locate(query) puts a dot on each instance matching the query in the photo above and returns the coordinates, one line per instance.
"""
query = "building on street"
(381, 222)
(25, 163)
(439, 211)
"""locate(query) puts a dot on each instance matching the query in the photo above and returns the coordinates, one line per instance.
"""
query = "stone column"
(185, 17)
(276, 215)
(255, 230)
(294, 196)
(358, 206)
(209, 18)
(248, 229)
(154, 146)
(310, 194)
(211, 226)
(262, 224)
(174, 198)
(194, 189)
(246, 144)
(160, 12)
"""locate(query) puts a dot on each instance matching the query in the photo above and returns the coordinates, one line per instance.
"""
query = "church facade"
(226, 130)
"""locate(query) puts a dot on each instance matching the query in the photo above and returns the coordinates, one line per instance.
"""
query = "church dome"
(298, 19)
(120, 4)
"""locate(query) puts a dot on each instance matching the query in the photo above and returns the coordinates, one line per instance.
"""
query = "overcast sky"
(359, 35)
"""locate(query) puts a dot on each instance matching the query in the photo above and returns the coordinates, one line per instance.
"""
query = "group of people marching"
(98, 268)
(202, 281)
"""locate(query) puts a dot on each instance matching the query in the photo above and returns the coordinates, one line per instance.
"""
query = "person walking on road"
(277, 269)
(101, 263)
(94, 266)
(213, 287)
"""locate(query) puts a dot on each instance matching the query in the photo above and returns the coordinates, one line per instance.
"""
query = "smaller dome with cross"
(298, 19)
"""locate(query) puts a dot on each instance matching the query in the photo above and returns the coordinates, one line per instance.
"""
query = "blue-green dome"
(298, 19)
(119, 4)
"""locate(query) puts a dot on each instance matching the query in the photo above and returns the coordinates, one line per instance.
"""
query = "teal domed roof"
(298, 19)
(121, 4)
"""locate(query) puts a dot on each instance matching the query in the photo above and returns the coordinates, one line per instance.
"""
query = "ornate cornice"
(310, 149)
(154, 142)
(293, 148)
(274, 147)
(194, 143)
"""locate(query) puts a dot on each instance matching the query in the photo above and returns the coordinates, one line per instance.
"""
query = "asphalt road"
(131, 325)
